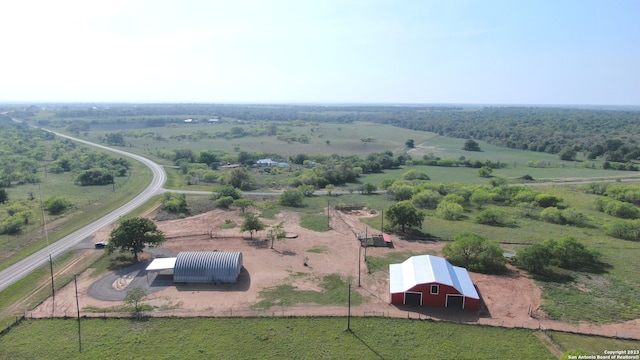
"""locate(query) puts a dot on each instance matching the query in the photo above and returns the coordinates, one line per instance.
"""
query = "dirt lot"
(509, 299)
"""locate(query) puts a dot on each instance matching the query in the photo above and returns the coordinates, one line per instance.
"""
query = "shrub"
(449, 210)
(426, 199)
(56, 205)
(547, 200)
(493, 217)
(552, 215)
(413, 174)
(475, 253)
(293, 198)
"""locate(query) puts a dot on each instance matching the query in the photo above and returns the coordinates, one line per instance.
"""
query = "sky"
(559, 52)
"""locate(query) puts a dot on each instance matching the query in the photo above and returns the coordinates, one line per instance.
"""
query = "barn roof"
(424, 269)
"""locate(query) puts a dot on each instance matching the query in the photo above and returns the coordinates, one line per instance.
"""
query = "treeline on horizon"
(607, 134)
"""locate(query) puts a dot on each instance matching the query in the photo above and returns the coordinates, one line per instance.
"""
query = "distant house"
(266, 162)
(283, 165)
(431, 281)
(213, 121)
(187, 121)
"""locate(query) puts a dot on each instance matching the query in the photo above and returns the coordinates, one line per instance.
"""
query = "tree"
(449, 210)
(174, 203)
(568, 153)
(224, 202)
(239, 178)
(475, 253)
(307, 190)
(291, 198)
(485, 171)
(243, 204)
(405, 214)
(276, 232)
(471, 145)
(134, 298)
(57, 205)
(547, 200)
(3, 196)
(493, 217)
(426, 199)
(329, 188)
(226, 190)
(367, 188)
(481, 197)
(133, 235)
(410, 143)
(534, 258)
(251, 223)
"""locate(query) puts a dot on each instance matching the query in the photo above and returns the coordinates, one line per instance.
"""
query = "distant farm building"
(213, 121)
(217, 267)
(271, 163)
(431, 281)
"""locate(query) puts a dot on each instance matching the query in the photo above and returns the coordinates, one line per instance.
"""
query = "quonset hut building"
(217, 267)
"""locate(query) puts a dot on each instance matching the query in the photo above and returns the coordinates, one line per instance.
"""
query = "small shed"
(218, 267)
(429, 280)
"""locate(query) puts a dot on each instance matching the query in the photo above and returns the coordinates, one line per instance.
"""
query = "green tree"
(239, 178)
(405, 214)
(547, 200)
(224, 202)
(485, 171)
(134, 297)
(534, 258)
(426, 199)
(251, 223)
(410, 143)
(243, 204)
(481, 197)
(414, 174)
(449, 211)
(568, 153)
(226, 190)
(475, 253)
(367, 188)
(56, 205)
(493, 217)
(276, 232)
(4, 196)
(291, 198)
(471, 145)
(133, 235)
(174, 203)
(307, 190)
(329, 188)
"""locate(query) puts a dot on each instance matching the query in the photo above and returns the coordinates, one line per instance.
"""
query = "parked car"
(101, 244)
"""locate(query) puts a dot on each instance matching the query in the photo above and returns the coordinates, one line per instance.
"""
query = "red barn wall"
(397, 298)
(470, 303)
(434, 300)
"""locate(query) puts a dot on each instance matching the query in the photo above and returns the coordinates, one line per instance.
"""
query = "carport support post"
(359, 263)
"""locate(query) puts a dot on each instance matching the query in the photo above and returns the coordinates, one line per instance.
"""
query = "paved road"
(20, 269)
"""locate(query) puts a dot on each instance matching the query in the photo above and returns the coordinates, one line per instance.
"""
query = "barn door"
(413, 298)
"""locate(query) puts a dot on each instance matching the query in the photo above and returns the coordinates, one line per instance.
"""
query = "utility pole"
(53, 288)
(359, 263)
(75, 281)
(328, 218)
(349, 312)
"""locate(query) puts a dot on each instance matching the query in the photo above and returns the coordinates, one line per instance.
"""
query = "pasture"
(266, 338)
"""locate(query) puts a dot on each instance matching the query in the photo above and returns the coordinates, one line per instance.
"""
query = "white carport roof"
(424, 269)
(162, 264)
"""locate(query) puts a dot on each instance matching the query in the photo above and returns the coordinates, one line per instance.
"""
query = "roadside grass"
(593, 345)
(334, 292)
(267, 338)
(91, 204)
(28, 292)
(315, 222)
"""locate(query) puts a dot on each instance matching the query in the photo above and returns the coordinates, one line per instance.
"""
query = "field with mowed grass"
(266, 338)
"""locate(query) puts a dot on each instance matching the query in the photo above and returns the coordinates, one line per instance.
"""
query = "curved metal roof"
(219, 267)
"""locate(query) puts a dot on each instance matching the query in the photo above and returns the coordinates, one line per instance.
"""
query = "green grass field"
(266, 338)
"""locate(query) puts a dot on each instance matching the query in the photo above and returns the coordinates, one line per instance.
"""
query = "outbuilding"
(429, 280)
(217, 267)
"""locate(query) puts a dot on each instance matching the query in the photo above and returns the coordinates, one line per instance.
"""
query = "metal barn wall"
(218, 267)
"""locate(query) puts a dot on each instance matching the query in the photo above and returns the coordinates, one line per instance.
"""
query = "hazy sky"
(342, 51)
